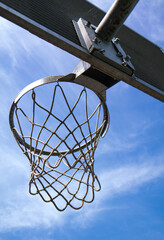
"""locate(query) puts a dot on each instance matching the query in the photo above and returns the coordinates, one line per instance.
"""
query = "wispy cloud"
(127, 138)
(104, 5)
(22, 47)
(19, 209)
(126, 178)
(143, 19)
(115, 182)
(116, 142)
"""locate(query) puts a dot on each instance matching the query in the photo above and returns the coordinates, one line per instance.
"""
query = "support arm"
(114, 18)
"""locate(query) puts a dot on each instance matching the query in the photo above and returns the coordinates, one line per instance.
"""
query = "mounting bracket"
(110, 52)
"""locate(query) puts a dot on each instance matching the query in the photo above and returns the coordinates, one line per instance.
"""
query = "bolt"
(88, 24)
(119, 54)
(124, 63)
(127, 58)
(102, 51)
(116, 40)
(93, 27)
(96, 40)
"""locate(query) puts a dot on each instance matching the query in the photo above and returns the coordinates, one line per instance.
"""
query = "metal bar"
(115, 18)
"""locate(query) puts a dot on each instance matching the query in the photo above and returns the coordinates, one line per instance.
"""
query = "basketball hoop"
(59, 135)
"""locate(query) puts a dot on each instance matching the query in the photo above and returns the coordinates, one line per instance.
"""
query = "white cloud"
(127, 178)
(126, 138)
(146, 22)
(117, 143)
(19, 209)
(22, 46)
(104, 5)
(143, 19)
(115, 182)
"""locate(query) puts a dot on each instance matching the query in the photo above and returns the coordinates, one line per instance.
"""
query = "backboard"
(53, 22)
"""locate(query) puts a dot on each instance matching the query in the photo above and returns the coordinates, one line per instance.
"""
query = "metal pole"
(114, 18)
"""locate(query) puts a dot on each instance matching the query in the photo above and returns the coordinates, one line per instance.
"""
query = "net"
(58, 128)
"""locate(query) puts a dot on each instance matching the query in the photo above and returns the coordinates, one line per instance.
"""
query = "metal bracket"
(92, 78)
(110, 52)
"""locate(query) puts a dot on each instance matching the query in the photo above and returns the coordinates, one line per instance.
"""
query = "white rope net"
(60, 141)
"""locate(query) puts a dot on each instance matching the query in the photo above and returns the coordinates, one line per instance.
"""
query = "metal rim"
(67, 78)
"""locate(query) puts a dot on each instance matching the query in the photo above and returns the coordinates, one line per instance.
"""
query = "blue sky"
(129, 160)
